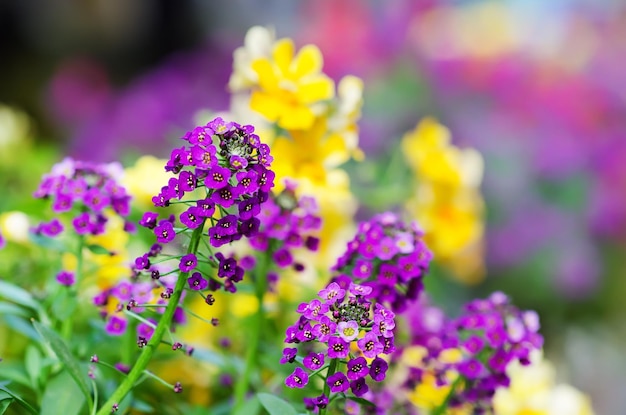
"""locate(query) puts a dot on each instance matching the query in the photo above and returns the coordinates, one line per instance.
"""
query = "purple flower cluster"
(230, 166)
(389, 256)
(344, 321)
(288, 223)
(85, 190)
(489, 335)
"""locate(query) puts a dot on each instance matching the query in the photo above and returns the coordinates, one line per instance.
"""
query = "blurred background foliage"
(537, 88)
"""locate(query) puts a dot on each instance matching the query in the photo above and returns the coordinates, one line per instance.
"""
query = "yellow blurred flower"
(533, 392)
(145, 179)
(447, 201)
(289, 86)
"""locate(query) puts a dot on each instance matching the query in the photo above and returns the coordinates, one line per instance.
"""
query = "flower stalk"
(164, 323)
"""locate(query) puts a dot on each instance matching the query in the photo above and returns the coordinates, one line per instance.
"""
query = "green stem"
(164, 324)
(441, 409)
(331, 371)
(260, 285)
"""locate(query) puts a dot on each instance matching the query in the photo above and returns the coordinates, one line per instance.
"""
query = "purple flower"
(165, 232)
(192, 217)
(282, 257)
(188, 262)
(348, 330)
(359, 387)
(370, 346)
(362, 269)
(142, 262)
(249, 208)
(383, 326)
(473, 344)
(324, 329)
(196, 282)
(187, 181)
(238, 162)
(217, 177)
(52, 228)
(82, 224)
(313, 361)
(115, 326)
(225, 196)
(227, 225)
(247, 181)
(149, 220)
(337, 348)
(338, 382)
(95, 199)
(471, 368)
(357, 368)
(206, 208)
(378, 369)
(65, 278)
(289, 355)
(332, 293)
(298, 379)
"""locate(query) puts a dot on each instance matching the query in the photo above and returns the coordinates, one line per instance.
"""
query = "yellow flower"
(145, 179)
(257, 44)
(447, 202)
(289, 87)
(533, 392)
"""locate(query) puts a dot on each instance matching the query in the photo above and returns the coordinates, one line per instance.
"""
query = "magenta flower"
(338, 382)
(188, 262)
(357, 368)
(66, 278)
(115, 326)
(338, 348)
(370, 345)
(313, 361)
(298, 379)
(165, 232)
(196, 282)
(378, 369)
(332, 293)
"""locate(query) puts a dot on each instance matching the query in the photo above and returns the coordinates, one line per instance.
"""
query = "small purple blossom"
(196, 282)
(188, 262)
(338, 382)
(298, 379)
(66, 278)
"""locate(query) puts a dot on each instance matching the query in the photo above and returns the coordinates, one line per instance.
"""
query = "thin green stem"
(256, 330)
(332, 368)
(163, 326)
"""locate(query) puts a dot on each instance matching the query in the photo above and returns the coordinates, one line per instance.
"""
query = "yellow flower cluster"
(447, 201)
(533, 392)
(311, 130)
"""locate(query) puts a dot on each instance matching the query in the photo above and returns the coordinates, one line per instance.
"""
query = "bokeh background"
(537, 87)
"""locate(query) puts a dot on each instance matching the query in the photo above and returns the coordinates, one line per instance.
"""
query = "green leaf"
(4, 403)
(62, 396)
(9, 308)
(19, 400)
(14, 372)
(98, 249)
(33, 365)
(22, 326)
(17, 295)
(59, 347)
(276, 406)
(250, 407)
